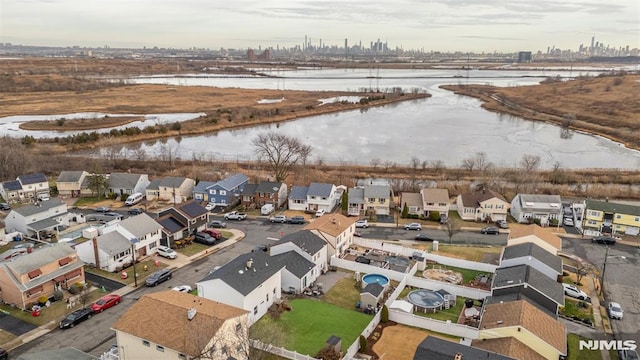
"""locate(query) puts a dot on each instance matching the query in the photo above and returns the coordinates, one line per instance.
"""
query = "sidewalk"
(601, 323)
(176, 263)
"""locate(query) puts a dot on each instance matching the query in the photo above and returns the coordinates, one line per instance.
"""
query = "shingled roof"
(476, 197)
(332, 224)
(306, 240)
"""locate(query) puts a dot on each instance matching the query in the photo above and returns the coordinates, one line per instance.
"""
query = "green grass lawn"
(86, 201)
(345, 294)
(451, 313)
(467, 274)
(571, 308)
(142, 274)
(192, 249)
(575, 354)
(311, 323)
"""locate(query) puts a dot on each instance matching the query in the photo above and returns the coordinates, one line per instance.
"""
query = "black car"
(76, 317)
(204, 238)
(5, 206)
(607, 240)
(158, 277)
(102, 209)
(297, 220)
(490, 230)
(423, 237)
(217, 224)
(363, 260)
(135, 211)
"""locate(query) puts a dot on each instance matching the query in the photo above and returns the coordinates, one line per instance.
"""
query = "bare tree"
(282, 152)
(479, 161)
(98, 182)
(583, 269)
(469, 164)
(415, 163)
(530, 162)
(13, 158)
(568, 119)
(375, 162)
(451, 228)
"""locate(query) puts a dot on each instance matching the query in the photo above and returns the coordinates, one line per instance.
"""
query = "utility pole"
(604, 268)
(133, 253)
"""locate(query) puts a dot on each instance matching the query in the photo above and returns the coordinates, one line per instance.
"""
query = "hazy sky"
(441, 25)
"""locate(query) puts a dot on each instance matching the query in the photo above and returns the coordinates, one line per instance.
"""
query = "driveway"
(14, 325)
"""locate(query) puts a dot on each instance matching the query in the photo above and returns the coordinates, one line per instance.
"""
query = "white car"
(167, 252)
(614, 310)
(210, 206)
(568, 221)
(413, 226)
(320, 212)
(183, 288)
(362, 224)
(574, 292)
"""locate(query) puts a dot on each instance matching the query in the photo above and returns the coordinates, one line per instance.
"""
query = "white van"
(134, 199)
(267, 209)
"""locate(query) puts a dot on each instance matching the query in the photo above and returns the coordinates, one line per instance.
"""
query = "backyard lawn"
(310, 323)
(467, 274)
(345, 294)
(471, 253)
(451, 313)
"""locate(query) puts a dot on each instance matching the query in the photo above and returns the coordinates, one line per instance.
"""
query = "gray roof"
(113, 243)
(515, 296)
(140, 225)
(154, 184)
(306, 240)
(523, 274)
(44, 224)
(67, 353)
(374, 289)
(298, 193)
(295, 263)
(435, 195)
(236, 274)
(70, 176)
(377, 191)
(123, 180)
(12, 185)
(171, 224)
(232, 181)
(31, 209)
(412, 199)
(40, 257)
(202, 186)
(192, 209)
(249, 189)
(531, 249)
(356, 196)
(535, 198)
(172, 181)
(32, 178)
(434, 348)
(320, 189)
(266, 187)
(611, 207)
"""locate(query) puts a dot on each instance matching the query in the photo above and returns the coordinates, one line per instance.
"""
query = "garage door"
(632, 230)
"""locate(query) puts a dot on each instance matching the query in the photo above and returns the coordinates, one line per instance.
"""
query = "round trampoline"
(426, 300)
(374, 278)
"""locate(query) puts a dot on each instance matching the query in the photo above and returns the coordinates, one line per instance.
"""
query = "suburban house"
(297, 198)
(481, 206)
(355, 202)
(322, 196)
(153, 190)
(33, 218)
(436, 348)
(250, 281)
(248, 195)
(310, 261)
(34, 184)
(11, 191)
(520, 330)
(227, 191)
(124, 183)
(199, 328)
(604, 217)
(200, 190)
(297, 273)
(69, 183)
(535, 256)
(530, 282)
(190, 214)
(173, 189)
(525, 208)
(172, 230)
(336, 230)
(25, 278)
(111, 251)
(377, 199)
(435, 200)
(269, 192)
(533, 233)
(413, 203)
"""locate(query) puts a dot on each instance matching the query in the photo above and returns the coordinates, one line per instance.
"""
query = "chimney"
(95, 252)
(249, 264)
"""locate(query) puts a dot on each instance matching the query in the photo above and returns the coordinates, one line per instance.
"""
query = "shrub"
(434, 216)
(363, 343)
(42, 300)
(384, 314)
(124, 197)
(58, 295)
(176, 126)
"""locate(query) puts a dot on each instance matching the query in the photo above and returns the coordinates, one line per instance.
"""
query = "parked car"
(444, 218)
(102, 209)
(614, 310)
(423, 237)
(413, 226)
(158, 277)
(105, 302)
(5, 206)
(234, 215)
(567, 221)
(183, 288)
(210, 206)
(278, 218)
(363, 260)
(217, 224)
(357, 234)
(297, 220)
(362, 224)
(75, 318)
(490, 230)
(607, 240)
(574, 292)
(135, 211)
(320, 212)
(502, 224)
(216, 234)
(628, 354)
(167, 252)
(204, 238)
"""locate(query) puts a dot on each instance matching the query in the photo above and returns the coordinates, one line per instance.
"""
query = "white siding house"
(527, 207)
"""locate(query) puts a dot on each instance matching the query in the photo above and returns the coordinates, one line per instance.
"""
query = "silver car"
(614, 310)
(413, 226)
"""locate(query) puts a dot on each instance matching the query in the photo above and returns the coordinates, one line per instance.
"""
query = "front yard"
(140, 271)
(577, 309)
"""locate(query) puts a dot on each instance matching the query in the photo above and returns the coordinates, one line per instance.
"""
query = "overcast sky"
(440, 25)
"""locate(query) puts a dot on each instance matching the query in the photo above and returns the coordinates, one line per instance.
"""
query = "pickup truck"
(234, 215)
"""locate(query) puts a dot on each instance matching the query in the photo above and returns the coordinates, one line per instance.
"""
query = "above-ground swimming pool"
(373, 279)
(426, 300)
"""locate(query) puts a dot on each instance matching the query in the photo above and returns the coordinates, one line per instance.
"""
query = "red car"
(216, 234)
(105, 302)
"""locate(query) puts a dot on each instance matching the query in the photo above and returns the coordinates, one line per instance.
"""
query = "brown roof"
(411, 199)
(436, 195)
(522, 313)
(509, 346)
(150, 317)
(544, 234)
(332, 224)
(476, 197)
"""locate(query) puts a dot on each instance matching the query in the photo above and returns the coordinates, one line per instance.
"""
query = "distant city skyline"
(429, 25)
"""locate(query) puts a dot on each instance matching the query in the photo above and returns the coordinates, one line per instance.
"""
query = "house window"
(223, 192)
(636, 219)
(146, 343)
(382, 200)
(313, 197)
(160, 348)
(212, 192)
(442, 204)
(591, 222)
(153, 245)
(267, 297)
(274, 291)
(182, 356)
(238, 328)
(372, 200)
(618, 216)
(255, 310)
(193, 221)
(324, 198)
